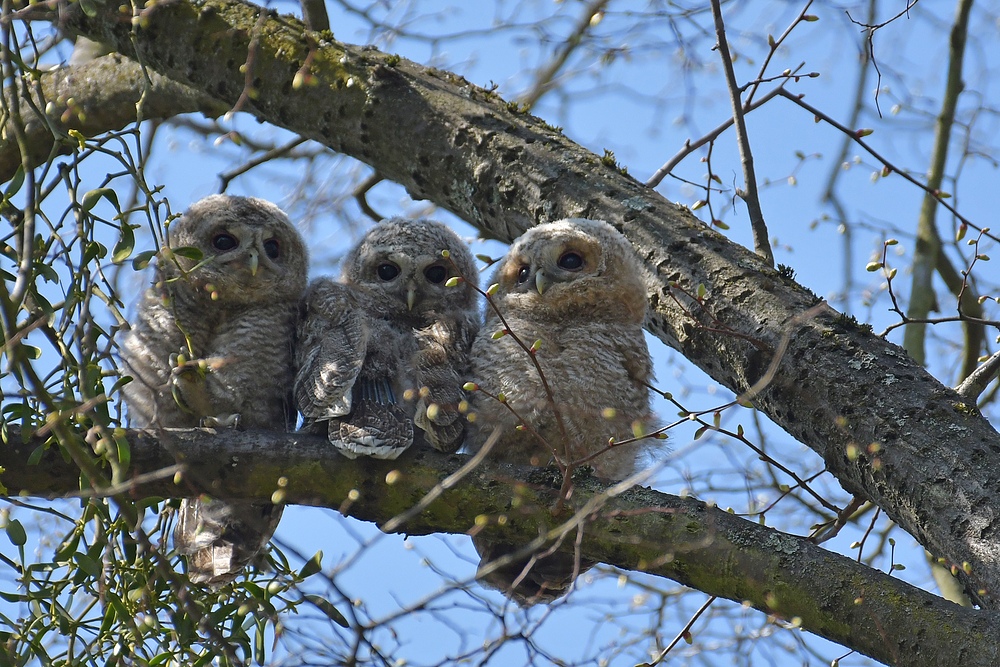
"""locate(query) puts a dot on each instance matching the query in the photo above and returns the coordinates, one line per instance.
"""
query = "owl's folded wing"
(332, 342)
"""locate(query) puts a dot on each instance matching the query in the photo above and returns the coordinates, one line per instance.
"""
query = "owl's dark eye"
(387, 271)
(570, 261)
(272, 248)
(523, 274)
(436, 273)
(224, 242)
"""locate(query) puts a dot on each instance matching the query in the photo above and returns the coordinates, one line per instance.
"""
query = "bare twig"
(361, 196)
(684, 631)
(544, 78)
(854, 134)
(870, 29)
(279, 151)
(248, 67)
(315, 16)
(761, 244)
(691, 146)
(448, 482)
(830, 195)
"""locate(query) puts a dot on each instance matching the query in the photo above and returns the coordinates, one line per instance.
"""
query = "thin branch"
(977, 381)
(856, 136)
(361, 196)
(544, 78)
(279, 151)
(761, 244)
(684, 632)
(928, 247)
(830, 191)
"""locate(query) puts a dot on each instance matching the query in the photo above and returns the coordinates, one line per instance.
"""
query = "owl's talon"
(221, 421)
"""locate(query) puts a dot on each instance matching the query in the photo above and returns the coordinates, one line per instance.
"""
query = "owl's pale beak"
(542, 281)
(411, 296)
(253, 262)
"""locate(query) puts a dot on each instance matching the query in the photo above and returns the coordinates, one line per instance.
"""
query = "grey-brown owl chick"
(392, 328)
(212, 345)
(575, 287)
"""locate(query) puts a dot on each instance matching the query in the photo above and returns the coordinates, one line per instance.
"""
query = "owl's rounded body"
(387, 347)
(571, 292)
(212, 344)
(573, 286)
(596, 374)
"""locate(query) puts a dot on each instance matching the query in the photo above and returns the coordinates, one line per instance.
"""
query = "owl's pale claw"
(221, 421)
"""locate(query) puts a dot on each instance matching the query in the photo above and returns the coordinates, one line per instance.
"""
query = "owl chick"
(212, 345)
(573, 289)
(392, 329)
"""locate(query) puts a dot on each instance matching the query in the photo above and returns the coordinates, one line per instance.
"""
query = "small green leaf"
(36, 455)
(15, 183)
(141, 261)
(91, 198)
(327, 608)
(312, 566)
(87, 564)
(189, 252)
(16, 534)
(46, 272)
(125, 245)
(873, 266)
(89, 8)
(124, 450)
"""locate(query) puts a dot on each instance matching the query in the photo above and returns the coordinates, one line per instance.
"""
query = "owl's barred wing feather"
(377, 426)
(333, 342)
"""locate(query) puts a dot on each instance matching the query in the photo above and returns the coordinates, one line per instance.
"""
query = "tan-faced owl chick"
(212, 345)
(574, 286)
(394, 328)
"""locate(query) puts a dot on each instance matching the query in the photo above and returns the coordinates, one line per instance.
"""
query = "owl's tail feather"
(377, 426)
(221, 538)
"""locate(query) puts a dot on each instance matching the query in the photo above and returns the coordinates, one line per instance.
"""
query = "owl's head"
(574, 268)
(250, 251)
(400, 265)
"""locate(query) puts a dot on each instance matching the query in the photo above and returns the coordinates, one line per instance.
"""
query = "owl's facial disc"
(558, 263)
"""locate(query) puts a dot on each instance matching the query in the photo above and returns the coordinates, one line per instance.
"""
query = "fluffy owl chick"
(573, 286)
(212, 345)
(392, 329)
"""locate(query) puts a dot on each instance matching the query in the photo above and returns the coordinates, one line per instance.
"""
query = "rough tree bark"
(633, 528)
(837, 388)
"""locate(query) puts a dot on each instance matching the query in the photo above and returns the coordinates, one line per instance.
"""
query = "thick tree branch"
(838, 388)
(96, 97)
(682, 539)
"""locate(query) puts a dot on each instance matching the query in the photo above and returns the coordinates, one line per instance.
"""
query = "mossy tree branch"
(837, 388)
(638, 529)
